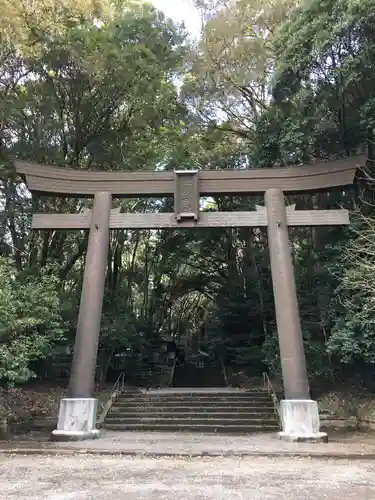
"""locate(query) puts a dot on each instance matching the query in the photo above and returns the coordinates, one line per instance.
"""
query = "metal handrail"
(268, 386)
(225, 373)
(118, 387)
(171, 377)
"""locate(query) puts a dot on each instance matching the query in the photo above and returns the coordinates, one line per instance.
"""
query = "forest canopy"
(118, 86)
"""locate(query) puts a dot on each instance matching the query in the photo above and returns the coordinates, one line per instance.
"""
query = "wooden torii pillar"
(300, 416)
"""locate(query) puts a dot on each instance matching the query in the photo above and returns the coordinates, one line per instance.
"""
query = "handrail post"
(172, 373)
(118, 386)
(270, 390)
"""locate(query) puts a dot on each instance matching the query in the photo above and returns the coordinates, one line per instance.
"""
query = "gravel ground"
(169, 443)
(120, 478)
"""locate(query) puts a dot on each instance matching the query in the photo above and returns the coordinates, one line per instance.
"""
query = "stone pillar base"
(77, 420)
(300, 421)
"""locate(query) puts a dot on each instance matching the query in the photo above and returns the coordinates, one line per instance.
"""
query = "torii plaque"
(300, 416)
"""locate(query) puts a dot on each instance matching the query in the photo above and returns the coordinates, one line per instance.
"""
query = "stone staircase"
(194, 410)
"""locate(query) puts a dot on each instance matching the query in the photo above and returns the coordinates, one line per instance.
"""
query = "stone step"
(199, 394)
(197, 401)
(197, 420)
(132, 394)
(199, 398)
(192, 404)
(201, 428)
(234, 397)
(226, 413)
(189, 410)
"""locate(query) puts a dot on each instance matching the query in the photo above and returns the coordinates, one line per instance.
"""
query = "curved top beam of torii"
(58, 181)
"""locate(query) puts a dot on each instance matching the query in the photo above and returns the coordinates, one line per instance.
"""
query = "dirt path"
(117, 478)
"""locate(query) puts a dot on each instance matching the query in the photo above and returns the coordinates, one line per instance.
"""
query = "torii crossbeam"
(118, 220)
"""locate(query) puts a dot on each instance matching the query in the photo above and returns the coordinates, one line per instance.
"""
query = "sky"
(181, 11)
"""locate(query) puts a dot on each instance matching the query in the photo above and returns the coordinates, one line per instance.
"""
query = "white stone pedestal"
(300, 421)
(77, 420)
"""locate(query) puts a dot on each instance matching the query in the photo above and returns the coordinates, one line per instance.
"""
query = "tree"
(352, 339)
(93, 86)
(327, 70)
(231, 73)
(30, 324)
(88, 88)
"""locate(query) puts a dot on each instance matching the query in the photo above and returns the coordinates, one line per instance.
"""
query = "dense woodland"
(116, 86)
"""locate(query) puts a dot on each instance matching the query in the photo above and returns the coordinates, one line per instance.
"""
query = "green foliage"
(102, 95)
(323, 84)
(318, 365)
(29, 321)
(353, 334)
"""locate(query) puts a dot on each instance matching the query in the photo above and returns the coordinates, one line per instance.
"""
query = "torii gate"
(300, 415)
